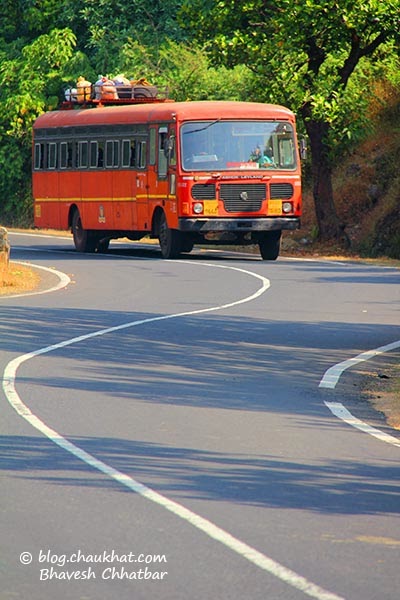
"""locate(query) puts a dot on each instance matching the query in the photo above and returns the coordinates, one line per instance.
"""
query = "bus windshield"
(226, 145)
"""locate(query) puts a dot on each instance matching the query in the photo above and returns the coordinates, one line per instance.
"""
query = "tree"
(30, 82)
(306, 54)
(185, 70)
(103, 27)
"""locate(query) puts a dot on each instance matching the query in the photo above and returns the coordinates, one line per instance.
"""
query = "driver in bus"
(262, 158)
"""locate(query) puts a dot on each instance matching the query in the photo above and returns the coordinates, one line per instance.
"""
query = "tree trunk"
(329, 225)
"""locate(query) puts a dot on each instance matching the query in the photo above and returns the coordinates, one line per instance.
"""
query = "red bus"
(184, 173)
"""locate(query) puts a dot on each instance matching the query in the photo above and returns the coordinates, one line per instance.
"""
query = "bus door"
(166, 171)
(141, 185)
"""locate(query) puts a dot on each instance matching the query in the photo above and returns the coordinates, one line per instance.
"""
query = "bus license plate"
(275, 207)
(211, 208)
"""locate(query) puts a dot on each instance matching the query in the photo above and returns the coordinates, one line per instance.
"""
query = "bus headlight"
(287, 207)
(198, 208)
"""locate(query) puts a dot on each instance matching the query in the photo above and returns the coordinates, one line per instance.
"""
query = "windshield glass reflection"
(227, 145)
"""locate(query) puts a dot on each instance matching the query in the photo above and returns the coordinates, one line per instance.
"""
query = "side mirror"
(303, 148)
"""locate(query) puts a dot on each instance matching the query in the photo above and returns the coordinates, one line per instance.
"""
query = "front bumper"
(241, 225)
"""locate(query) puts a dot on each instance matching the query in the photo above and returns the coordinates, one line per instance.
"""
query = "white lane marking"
(213, 531)
(64, 280)
(332, 375)
(39, 235)
(331, 378)
(342, 413)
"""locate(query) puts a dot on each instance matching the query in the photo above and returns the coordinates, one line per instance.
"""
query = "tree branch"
(356, 53)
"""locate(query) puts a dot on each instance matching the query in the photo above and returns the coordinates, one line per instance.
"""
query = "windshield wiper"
(202, 128)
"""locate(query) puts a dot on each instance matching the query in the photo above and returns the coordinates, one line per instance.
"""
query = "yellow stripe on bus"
(108, 199)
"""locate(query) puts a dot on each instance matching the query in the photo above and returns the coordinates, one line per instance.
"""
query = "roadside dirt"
(18, 279)
(382, 391)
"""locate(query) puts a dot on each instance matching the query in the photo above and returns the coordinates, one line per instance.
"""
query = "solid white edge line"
(345, 415)
(213, 531)
(64, 280)
(331, 378)
(332, 375)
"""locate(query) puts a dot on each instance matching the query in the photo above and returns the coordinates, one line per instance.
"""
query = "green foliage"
(303, 51)
(104, 27)
(185, 70)
(28, 86)
(310, 55)
(25, 82)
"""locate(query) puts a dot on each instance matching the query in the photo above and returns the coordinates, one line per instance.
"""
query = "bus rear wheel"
(170, 239)
(102, 245)
(269, 244)
(84, 240)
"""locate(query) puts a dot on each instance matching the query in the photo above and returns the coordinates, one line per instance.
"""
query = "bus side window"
(100, 155)
(70, 155)
(141, 158)
(93, 155)
(132, 155)
(52, 155)
(115, 153)
(82, 155)
(63, 155)
(128, 153)
(109, 154)
(112, 154)
(162, 159)
(39, 156)
(152, 152)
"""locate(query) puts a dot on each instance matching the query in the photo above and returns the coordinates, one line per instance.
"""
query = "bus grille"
(203, 191)
(234, 197)
(242, 197)
(281, 190)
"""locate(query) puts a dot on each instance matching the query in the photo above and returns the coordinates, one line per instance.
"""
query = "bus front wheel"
(269, 244)
(84, 240)
(170, 239)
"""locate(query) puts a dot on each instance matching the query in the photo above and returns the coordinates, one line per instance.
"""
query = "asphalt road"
(164, 435)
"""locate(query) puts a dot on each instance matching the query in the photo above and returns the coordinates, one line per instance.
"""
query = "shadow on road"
(339, 486)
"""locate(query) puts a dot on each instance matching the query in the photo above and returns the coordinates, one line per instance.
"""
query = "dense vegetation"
(311, 55)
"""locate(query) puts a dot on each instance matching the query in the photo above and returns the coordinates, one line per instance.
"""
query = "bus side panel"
(69, 194)
(46, 194)
(124, 204)
(142, 202)
(97, 199)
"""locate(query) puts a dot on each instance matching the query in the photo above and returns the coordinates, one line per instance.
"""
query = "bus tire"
(102, 245)
(84, 240)
(187, 244)
(170, 239)
(269, 244)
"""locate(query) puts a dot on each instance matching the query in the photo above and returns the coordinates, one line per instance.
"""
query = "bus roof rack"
(111, 93)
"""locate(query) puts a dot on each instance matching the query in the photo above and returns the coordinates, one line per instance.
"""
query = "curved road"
(165, 434)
